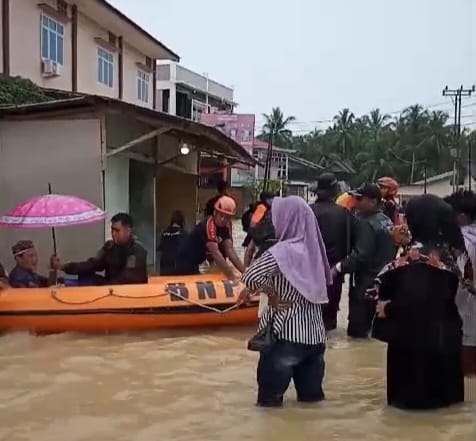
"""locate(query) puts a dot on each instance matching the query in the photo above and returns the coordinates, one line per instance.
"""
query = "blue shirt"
(23, 278)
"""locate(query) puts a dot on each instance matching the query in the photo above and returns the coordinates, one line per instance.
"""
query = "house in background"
(185, 93)
(85, 46)
(297, 174)
(440, 185)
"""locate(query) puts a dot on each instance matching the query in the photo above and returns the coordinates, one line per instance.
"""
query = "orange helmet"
(347, 201)
(226, 205)
(390, 184)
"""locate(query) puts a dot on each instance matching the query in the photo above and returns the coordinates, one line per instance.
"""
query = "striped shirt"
(300, 323)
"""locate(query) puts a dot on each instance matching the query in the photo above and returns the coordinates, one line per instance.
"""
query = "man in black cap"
(375, 234)
(342, 235)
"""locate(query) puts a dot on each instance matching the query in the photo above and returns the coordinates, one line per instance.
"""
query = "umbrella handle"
(53, 236)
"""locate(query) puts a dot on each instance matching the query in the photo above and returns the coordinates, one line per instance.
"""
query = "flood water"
(197, 385)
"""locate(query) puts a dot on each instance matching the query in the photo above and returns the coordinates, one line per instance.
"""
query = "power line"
(395, 112)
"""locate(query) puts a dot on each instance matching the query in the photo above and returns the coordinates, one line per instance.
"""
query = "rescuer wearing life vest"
(211, 240)
(347, 201)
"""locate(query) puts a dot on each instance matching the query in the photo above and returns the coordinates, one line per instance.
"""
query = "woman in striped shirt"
(294, 274)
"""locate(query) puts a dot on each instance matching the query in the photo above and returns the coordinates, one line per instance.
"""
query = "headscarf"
(432, 220)
(390, 184)
(300, 252)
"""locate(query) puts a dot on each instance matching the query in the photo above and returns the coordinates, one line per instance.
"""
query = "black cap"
(371, 191)
(326, 182)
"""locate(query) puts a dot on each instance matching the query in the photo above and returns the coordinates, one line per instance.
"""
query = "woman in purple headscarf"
(294, 273)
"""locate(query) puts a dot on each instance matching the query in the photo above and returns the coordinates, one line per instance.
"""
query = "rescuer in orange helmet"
(211, 240)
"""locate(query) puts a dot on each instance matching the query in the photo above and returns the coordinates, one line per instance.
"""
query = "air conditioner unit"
(50, 68)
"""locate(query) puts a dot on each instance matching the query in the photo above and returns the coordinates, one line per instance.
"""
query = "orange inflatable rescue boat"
(191, 301)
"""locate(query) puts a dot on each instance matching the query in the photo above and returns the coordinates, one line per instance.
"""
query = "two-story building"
(85, 46)
(185, 93)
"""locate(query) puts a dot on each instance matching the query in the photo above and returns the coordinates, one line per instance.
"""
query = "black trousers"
(286, 361)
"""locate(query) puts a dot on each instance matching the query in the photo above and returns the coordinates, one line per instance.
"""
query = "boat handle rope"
(169, 291)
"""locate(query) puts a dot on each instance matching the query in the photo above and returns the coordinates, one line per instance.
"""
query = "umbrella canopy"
(52, 210)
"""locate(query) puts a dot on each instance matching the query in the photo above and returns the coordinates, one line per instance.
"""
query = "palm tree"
(377, 122)
(415, 119)
(343, 124)
(276, 126)
(438, 136)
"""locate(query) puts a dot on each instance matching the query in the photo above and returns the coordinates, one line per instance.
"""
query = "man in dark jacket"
(341, 233)
(123, 259)
(379, 249)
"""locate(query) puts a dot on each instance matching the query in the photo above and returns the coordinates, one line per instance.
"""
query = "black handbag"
(265, 339)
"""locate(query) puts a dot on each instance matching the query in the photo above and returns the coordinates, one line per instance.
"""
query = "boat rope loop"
(168, 292)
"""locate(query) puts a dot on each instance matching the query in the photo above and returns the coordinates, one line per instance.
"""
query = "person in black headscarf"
(416, 311)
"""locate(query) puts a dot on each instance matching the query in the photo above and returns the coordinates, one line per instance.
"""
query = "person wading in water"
(343, 238)
(375, 234)
(416, 311)
(464, 204)
(261, 231)
(294, 273)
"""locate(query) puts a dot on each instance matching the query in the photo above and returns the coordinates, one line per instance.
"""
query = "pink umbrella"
(52, 210)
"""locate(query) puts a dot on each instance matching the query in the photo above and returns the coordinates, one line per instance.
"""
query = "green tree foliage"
(405, 146)
(15, 91)
(277, 125)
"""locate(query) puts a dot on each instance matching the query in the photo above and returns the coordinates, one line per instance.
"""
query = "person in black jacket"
(260, 235)
(171, 242)
(342, 237)
(376, 238)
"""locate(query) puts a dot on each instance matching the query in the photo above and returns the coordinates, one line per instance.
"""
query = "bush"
(15, 91)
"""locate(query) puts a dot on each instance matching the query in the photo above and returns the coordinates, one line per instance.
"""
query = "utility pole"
(457, 94)
(269, 155)
(470, 163)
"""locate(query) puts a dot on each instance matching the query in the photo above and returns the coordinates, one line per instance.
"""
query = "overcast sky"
(315, 57)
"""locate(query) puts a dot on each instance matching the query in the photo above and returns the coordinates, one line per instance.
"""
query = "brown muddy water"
(199, 385)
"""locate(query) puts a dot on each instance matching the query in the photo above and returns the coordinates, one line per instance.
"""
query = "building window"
(105, 67)
(52, 39)
(142, 86)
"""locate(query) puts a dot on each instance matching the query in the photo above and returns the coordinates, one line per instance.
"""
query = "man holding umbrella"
(123, 260)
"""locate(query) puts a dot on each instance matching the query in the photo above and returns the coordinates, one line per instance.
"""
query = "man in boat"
(376, 233)
(3, 278)
(24, 274)
(123, 259)
(211, 239)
